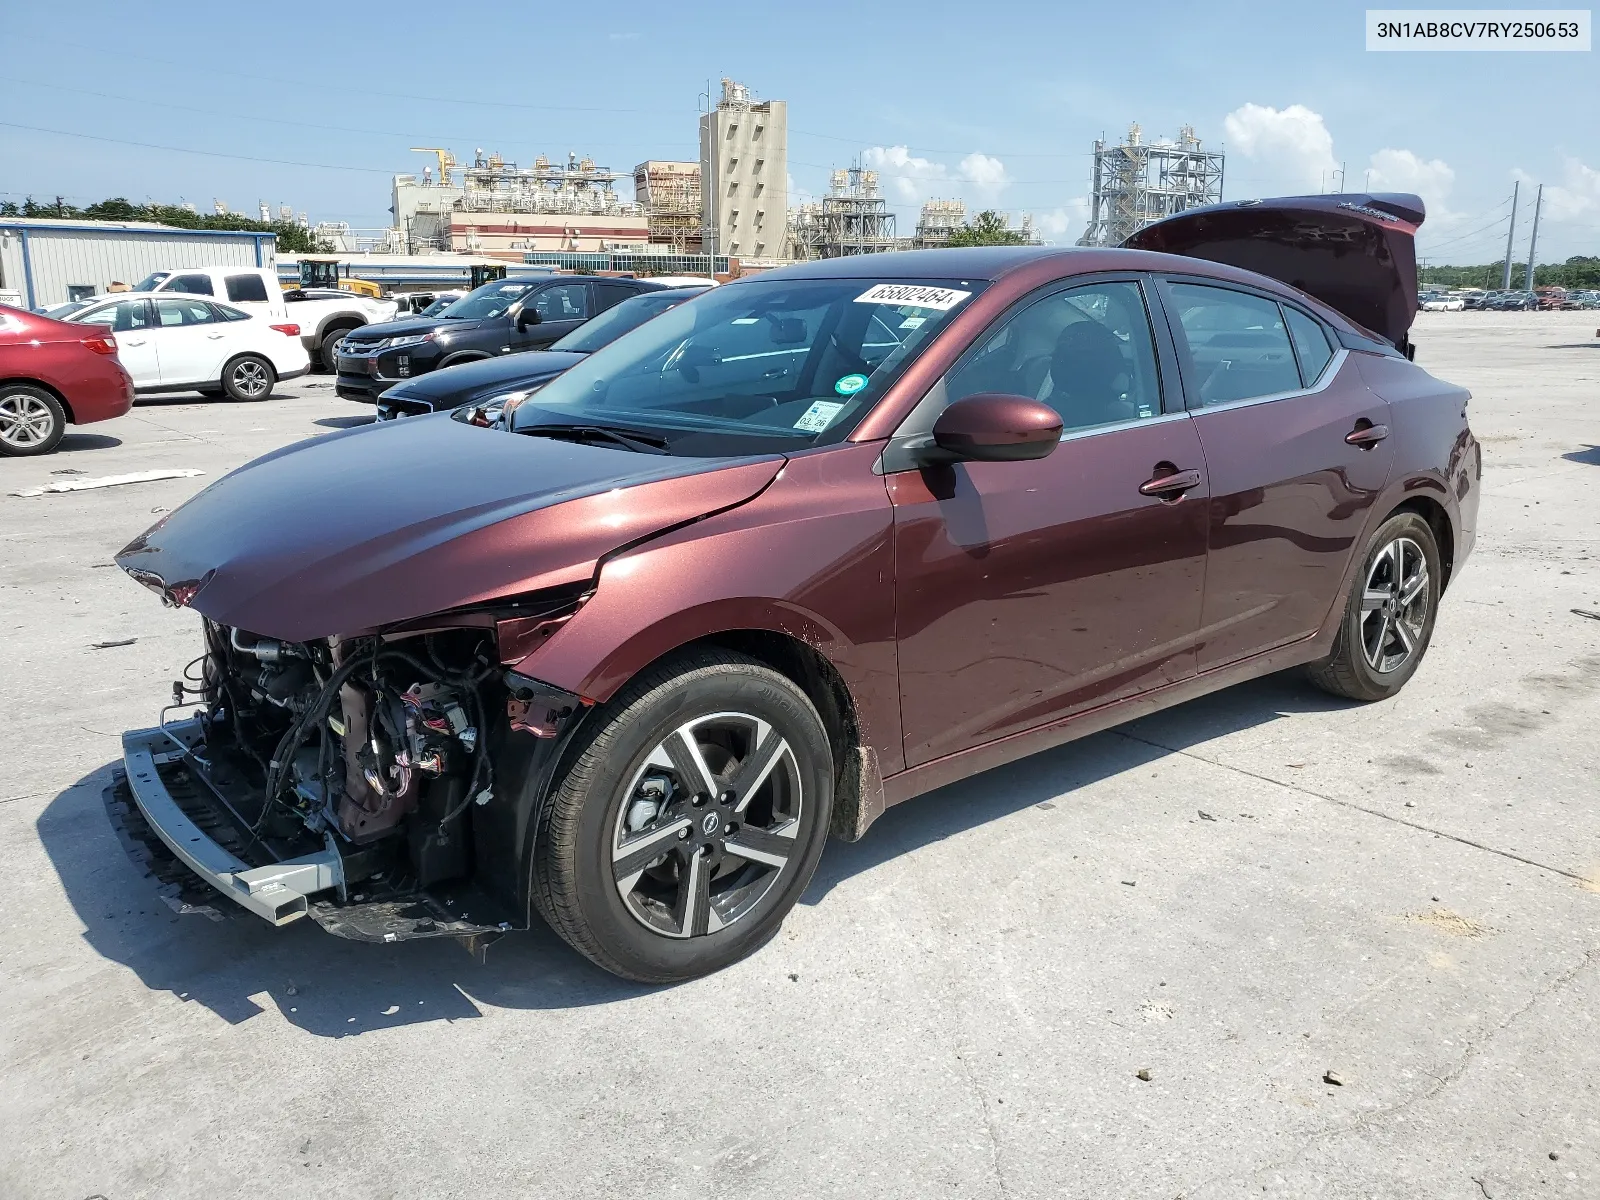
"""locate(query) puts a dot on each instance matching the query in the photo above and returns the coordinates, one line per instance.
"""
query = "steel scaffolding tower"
(853, 218)
(1136, 184)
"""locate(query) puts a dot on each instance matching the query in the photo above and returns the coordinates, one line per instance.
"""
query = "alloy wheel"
(707, 825)
(25, 421)
(1394, 605)
(250, 378)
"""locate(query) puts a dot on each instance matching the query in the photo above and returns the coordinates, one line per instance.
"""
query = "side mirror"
(994, 427)
(528, 316)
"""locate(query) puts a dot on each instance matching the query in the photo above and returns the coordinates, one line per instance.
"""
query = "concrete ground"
(1236, 896)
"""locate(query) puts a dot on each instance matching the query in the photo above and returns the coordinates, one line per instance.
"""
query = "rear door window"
(1238, 346)
(222, 312)
(198, 285)
(608, 294)
(246, 288)
(183, 312)
(1310, 345)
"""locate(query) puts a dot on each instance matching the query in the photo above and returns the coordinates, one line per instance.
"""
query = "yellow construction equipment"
(318, 271)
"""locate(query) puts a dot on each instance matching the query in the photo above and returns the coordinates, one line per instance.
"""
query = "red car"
(801, 548)
(53, 374)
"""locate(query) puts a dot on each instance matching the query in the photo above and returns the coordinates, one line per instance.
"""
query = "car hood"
(412, 326)
(469, 381)
(378, 524)
(1355, 253)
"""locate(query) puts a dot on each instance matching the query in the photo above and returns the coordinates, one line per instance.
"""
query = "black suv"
(503, 317)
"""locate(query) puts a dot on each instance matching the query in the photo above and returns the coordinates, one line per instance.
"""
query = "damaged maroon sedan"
(802, 548)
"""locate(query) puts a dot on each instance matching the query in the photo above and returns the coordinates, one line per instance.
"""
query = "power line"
(282, 162)
(394, 133)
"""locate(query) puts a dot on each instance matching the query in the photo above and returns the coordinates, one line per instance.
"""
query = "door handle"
(135, 341)
(216, 336)
(1366, 434)
(1171, 485)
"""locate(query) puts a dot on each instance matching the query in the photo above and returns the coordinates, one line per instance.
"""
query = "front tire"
(32, 421)
(1389, 615)
(248, 377)
(689, 823)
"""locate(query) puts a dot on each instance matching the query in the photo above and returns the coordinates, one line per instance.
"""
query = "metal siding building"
(42, 258)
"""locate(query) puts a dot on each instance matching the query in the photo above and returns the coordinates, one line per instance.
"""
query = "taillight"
(101, 343)
(288, 330)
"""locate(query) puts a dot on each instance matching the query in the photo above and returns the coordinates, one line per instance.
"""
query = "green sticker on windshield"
(850, 385)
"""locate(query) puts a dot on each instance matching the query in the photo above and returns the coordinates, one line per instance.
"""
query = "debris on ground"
(67, 471)
(1333, 1078)
(1130, 883)
(1204, 815)
(1143, 1073)
(1584, 612)
(112, 645)
(105, 481)
(1453, 923)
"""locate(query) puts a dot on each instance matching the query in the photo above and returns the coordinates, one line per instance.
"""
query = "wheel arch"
(463, 356)
(799, 646)
(337, 323)
(22, 381)
(1438, 519)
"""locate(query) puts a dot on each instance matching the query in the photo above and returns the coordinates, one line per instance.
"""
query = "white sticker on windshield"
(916, 295)
(817, 418)
(912, 322)
(746, 320)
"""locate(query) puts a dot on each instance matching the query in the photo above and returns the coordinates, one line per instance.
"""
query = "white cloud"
(1578, 193)
(1292, 144)
(978, 178)
(1403, 171)
(1063, 225)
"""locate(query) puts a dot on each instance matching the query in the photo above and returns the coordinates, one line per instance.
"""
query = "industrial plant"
(1137, 183)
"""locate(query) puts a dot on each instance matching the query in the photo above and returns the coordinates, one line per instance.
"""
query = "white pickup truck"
(324, 314)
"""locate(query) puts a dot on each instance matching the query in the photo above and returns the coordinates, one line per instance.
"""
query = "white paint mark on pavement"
(105, 481)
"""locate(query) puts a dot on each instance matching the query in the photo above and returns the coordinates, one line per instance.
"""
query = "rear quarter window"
(1310, 345)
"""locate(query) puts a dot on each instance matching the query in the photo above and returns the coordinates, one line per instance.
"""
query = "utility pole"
(1533, 241)
(1505, 280)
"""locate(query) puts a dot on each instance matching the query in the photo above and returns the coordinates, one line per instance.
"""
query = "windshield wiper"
(630, 439)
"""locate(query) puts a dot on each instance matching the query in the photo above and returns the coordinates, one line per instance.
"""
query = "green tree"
(988, 228)
(291, 238)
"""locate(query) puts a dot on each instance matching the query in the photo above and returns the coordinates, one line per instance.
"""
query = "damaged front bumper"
(177, 830)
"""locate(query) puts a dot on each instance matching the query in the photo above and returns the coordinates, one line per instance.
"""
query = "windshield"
(151, 281)
(773, 364)
(439, 305)
(614, 322)
(490, 300)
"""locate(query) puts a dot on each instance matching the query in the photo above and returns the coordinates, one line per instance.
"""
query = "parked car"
(53, 374)
(170, 342)
(821, 540)
(502, 317)
(326, 315)
(495, 384)
(1439, 302)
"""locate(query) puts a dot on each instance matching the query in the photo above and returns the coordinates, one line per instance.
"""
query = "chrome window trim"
(1073, 435)
(1324, 382)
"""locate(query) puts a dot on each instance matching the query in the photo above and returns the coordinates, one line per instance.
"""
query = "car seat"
(1087, 377)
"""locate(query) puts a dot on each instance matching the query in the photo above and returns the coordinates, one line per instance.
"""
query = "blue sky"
(997, 104)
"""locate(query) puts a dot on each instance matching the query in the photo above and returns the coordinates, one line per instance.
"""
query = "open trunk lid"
(1355, 253)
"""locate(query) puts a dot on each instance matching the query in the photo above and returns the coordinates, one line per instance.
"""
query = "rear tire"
(32, 421)
(658, 873)
(1389, 615)
(248, 377)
